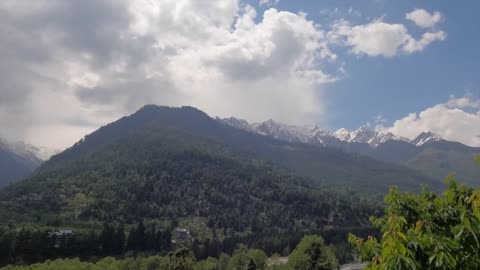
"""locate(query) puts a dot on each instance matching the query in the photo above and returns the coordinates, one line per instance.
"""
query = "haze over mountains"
(19, 159)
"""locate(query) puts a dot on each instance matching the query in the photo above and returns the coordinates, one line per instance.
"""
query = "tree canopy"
(312, 254)
(426, 231)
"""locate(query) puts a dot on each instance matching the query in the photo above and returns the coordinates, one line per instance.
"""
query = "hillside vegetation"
(177, 167)
(320, 165)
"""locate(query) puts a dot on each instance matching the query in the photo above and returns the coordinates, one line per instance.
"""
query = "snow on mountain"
(237, 123)
(372, 137)
(322, 137)
(283, 132)
(28, 151)
(425, 137)
(343, 135)
(364, 135)
(313, 134)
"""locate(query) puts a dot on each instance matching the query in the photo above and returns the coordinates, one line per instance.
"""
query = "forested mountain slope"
(168, 175)
(172, 165)
(321, 165)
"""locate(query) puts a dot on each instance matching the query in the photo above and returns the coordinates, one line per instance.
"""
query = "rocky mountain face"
(428, 152)
(425, 137)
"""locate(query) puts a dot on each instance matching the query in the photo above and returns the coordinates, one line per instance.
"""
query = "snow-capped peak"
(270, 123)
(284, 132)
(315, 135)
(367, 135)
(235, 122)
(28, 151)
(343, 135)
(364, 135)
(425, 137)
(390, 136)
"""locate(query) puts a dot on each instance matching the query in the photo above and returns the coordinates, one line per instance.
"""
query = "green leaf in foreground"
(426, 231)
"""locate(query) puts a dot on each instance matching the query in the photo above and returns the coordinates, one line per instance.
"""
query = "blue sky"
(396, 86)
(69, 67)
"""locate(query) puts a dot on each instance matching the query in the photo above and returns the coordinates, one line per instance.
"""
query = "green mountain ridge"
(179, 166)
(437, 159)
(170, 176)
(320, 165)
(444, 158)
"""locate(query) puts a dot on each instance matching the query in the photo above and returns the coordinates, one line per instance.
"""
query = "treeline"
(171, 177)
(310, 254)
(175, 176)
(31, 245)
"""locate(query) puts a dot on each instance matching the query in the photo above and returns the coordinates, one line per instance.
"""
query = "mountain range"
(238, 181)
(428, 152)
(18, 160)
(320, 165)
(315, 135)
(141, 146)
(180, 166)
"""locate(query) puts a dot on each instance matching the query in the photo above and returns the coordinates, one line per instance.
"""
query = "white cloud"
(424, 19)
(413, 45)
(465, 102)
(379, 38)
(449, 120)
(70, 66)
(373, 39)
(271, 66)
(269, 2)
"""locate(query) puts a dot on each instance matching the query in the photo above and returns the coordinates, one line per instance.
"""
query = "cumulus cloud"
(373, 39)
(69, 66)
(413, 45)
(424, 19)
(382, 39)
(465, 102)
(379, 38)
(451, 120)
